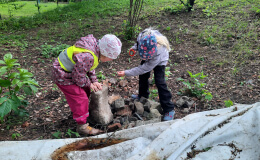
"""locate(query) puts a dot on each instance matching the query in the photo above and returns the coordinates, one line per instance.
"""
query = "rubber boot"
(86, 130)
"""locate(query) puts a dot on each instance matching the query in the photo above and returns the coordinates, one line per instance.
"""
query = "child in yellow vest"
(70, 70)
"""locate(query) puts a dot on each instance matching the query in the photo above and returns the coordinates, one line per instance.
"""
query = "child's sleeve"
(84, 62)
(144, 68)
(92, 76)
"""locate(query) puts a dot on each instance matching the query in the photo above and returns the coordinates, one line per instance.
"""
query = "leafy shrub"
(184, 6)
(129, 31)
(11, 85)
(194, 87)
(175, 9)
(52, 51)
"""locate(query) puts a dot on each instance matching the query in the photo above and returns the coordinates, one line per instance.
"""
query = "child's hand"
(96, 86)
(121, 73)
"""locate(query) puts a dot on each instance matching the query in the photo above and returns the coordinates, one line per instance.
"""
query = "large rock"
(155, 105)
(139, 107)
(118, 104)
(184, 102)
(99, 109)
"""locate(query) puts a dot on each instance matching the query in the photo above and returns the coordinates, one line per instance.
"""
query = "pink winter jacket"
(84, 62)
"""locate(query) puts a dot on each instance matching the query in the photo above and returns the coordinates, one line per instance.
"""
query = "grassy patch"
(87, 10)
(26, 8)
(231, 26)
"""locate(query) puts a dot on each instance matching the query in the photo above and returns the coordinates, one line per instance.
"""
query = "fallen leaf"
(25, 124)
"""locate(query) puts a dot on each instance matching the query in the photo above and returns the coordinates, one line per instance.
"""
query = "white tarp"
(230, 133)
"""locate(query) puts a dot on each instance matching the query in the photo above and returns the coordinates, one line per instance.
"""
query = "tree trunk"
(191, 3)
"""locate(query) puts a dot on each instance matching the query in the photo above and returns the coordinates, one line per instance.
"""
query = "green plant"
(11, 86)
(15, 135)
(100, 76)
(52, 51)
(189, 4)
(11, 120)
(206, 38)
(256, 9)
(153, 93)
(70, 132)
(48, 107)
(228, 103)
(57, 134)
(209, 11)
(167, 73)
(129, 31)
(180, 7)
(235, 71)
(194, 87)
(133, 16)
(199, 59)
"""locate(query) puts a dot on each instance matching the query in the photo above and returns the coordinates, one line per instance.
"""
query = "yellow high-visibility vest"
(66, 61)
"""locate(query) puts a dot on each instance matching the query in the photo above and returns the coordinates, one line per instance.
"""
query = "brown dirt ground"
(50, 113)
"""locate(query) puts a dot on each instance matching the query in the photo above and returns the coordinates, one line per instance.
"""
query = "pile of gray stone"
(114, 112)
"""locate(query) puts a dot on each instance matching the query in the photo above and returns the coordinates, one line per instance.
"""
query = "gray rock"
(139, 107)
(127, 101)
(112, 80)
(124, 120)
(147, 106)
(184, 102)
(131, 119)
(99, 109)
(146, 114)
(155, 105)
(185, 110)
(181, 101)
(132, 106)
(189, 103)
(154, 114)
(118, 104)
(143, 100)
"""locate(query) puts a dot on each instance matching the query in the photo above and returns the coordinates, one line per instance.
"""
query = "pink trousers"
(78, 101)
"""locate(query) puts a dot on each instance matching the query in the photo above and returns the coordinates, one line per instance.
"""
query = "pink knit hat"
(110, 46)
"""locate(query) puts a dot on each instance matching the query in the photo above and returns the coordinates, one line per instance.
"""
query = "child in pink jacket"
(74, 73)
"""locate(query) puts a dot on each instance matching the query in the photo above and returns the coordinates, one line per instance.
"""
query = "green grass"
(86, 11)
(230, 25)
(26, 8)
